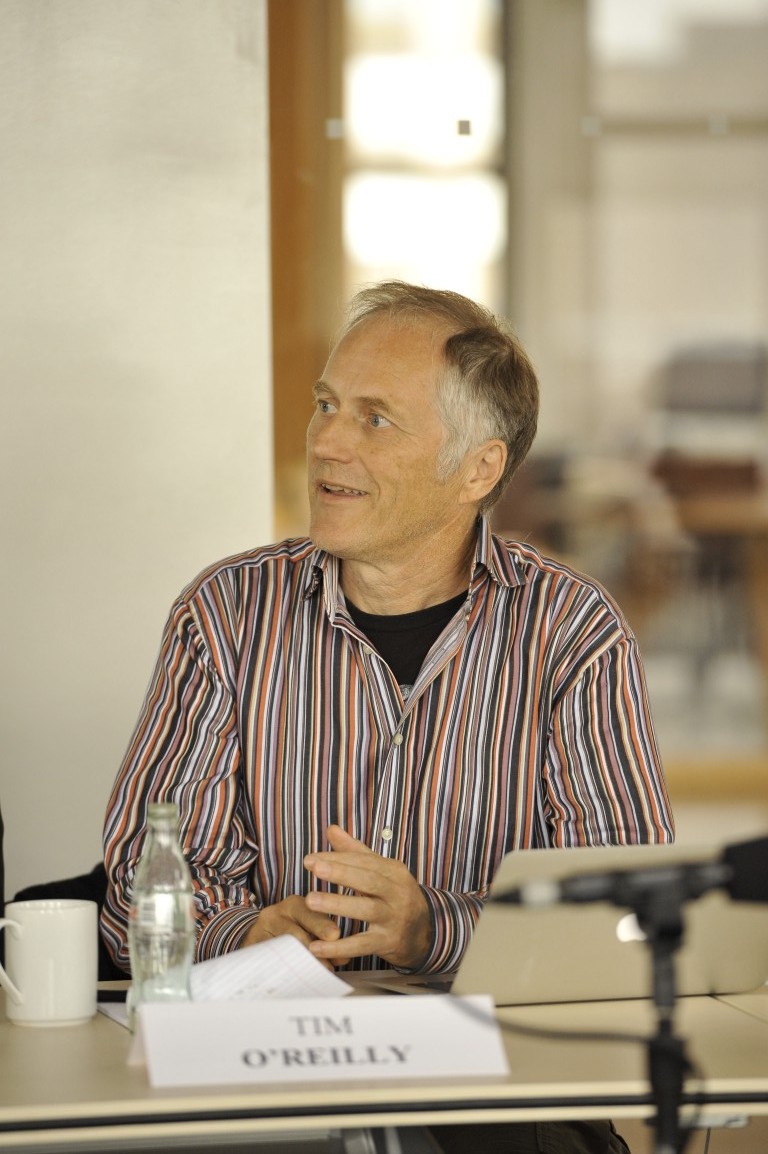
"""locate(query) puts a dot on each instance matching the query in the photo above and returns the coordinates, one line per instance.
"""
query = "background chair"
(90, 887)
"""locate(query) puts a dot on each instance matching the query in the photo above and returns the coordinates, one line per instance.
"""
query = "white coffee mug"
(51, 958)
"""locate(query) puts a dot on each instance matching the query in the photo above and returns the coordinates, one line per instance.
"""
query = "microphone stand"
(657, 898)
(659, 914)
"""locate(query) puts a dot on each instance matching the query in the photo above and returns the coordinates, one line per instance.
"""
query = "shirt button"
(386, 834)
(367, 650)
(397, 739)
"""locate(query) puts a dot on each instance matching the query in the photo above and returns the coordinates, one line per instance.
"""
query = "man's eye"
(378, 422)
(324, 406)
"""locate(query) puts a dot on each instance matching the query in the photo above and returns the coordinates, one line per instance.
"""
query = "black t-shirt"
(405, 639)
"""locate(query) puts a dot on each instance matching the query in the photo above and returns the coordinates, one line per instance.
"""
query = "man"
(358, 726)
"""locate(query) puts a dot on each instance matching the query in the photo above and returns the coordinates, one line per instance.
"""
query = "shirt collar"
(492, 555)
(323, 569)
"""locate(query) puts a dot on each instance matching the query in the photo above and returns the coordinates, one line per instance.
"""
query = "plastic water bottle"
(161, 925)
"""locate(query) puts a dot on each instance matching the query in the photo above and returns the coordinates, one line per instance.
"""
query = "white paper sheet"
(279, 968)
(117, 1011)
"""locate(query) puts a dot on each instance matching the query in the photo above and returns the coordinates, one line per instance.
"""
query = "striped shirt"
(270, 716)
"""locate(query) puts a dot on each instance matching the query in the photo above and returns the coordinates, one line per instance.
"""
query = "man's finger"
(333, 905)
(360, 945)
(342, 841)
(292, 916)
(350, 872)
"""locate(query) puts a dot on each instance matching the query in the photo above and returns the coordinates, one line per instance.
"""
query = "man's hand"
(375, 890)
(291, 916)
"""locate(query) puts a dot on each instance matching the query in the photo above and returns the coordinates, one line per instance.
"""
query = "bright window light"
(409, 108)
(391, 217)
(428, 26)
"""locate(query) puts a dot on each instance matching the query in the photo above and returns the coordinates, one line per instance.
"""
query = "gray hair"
(488, 389)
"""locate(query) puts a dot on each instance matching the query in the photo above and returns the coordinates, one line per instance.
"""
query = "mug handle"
(5, 981)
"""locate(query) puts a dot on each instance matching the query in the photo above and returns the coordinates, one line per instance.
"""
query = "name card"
(318, 1039)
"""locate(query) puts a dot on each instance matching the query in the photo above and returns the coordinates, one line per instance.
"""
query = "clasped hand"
(369, 888)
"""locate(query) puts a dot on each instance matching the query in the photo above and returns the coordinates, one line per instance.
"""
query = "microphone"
(748, 861)
(742, 871)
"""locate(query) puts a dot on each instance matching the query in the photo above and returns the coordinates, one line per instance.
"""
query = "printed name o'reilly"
(327, 1056)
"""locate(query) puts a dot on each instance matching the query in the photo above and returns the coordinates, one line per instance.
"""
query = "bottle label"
(166, 912)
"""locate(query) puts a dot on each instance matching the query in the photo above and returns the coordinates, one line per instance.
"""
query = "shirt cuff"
(225, 932)
(454, 917)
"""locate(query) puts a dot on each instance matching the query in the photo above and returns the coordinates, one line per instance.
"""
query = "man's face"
(373, 444)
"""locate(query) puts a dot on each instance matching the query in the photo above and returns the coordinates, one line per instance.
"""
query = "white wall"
(135, 434)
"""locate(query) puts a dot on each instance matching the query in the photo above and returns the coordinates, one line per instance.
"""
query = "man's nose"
(331, 437)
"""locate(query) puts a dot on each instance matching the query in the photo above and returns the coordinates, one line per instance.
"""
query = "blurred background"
(597, 172)
(189, 193)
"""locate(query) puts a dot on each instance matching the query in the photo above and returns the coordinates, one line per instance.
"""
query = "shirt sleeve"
(602, 781)
(185, 749)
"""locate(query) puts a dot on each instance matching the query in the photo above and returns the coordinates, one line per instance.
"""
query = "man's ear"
(484, 469)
